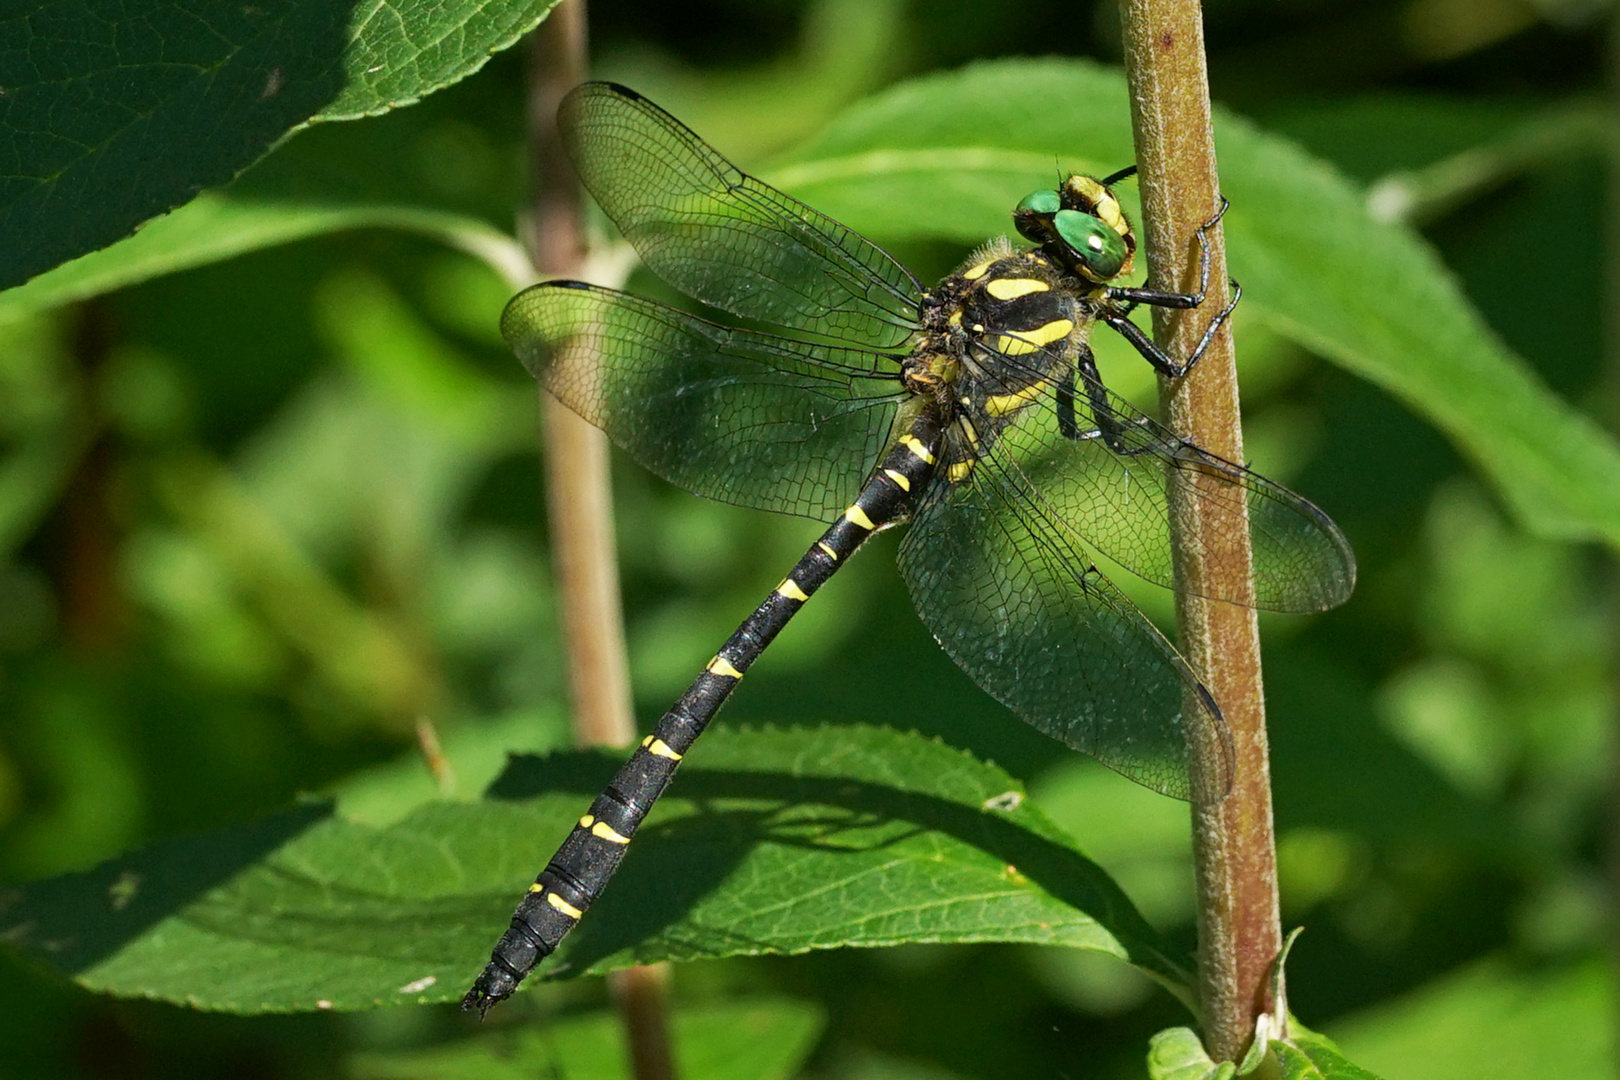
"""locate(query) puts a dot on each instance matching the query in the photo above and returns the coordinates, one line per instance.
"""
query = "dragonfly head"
(1080, 225)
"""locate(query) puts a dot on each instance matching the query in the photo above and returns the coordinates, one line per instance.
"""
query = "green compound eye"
(1098, 248)
(1039, 202)
(1033, 215)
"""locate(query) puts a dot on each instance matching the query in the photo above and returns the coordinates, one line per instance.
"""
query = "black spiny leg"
(1109, 427)
(1162, 361)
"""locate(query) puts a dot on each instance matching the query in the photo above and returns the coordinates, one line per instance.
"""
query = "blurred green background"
(258, 517)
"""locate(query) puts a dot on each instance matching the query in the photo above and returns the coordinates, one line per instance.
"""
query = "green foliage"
(1493, 1018)
(938, 158)
(1316, 1059)
(214, 227)
(267, 497)
(114, 121)
(1177, 1054)
(763, 1039)
(775, 841)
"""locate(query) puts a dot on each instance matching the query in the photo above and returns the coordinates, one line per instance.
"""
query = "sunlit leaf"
(772, 841)
(215, 227)
(1315, 1058)
(1493, 1019)
(1178, 1054)
(943, 157)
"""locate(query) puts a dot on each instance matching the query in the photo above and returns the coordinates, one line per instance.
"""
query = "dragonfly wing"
(1121, 503)
(1009, 592)
(725, 238)
(736, 415)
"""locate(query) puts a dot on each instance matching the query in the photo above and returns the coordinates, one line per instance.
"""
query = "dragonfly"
(849, 393)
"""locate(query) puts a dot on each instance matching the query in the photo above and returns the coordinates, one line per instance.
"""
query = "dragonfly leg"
(1162, 361)
(1108, 426)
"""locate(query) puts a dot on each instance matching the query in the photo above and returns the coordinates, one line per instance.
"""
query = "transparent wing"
(740, 416)
(1010, 594)
(1121, 502)
(724, 238)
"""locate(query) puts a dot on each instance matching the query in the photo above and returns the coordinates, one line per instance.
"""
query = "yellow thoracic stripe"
(721, 666)
(659, 748)
(1002, 404)
(1013, 288)
(790, 589)
(1029, 340)
(899, 479)
(974, 273)
(857, 517)
(824, 546)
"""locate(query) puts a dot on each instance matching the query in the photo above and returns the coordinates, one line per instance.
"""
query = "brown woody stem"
(1235, 852)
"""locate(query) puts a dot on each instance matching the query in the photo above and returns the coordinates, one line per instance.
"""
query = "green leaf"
(1178, 1054)
(755, 1040)
(1308, 1056)
(215, 227)
(945, 156)
(772, 841)
(113, 116)
(1494, 1018)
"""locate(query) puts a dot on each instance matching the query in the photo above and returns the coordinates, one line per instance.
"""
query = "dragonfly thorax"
(997, 336)
(1010, 321)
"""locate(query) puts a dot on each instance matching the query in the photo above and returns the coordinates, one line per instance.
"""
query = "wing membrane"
(725, 238)
(1122, 504)
(736, 415)
(1009, 593)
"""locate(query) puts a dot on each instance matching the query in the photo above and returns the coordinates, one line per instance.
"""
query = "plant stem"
(1234, 849)
(579, 497)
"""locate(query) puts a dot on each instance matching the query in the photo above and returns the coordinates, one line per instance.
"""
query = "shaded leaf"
(113, 116)
(761, 1039)
(772, 841)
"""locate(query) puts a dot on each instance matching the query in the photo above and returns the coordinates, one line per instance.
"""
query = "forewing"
(736, 415)
(725, 238)
(1010, 594)
(1121, 503)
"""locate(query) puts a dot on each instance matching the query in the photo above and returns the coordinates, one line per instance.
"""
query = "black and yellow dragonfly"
(973, 410)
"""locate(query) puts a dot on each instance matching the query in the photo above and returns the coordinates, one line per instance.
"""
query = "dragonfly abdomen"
(580, 869)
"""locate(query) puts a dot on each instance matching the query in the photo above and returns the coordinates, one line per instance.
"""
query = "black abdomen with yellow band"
(577, 873)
